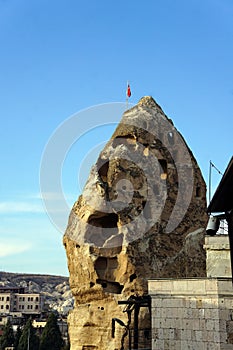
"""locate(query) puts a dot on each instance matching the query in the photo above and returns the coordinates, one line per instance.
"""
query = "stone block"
(179, 287)
(196, 324)
(198, 335)
(223, 337)
(166, 333)
(156, 322)
(160, 333)
(201, 313)
(216, 325)
(209, 325)
(215, 314)
(177, 334)
(225, 287)
(191, 303)
(228, 303)
(186, 334)
(224, 314)
(213, 346)
(158, 344)
(205, 336)
(175, 312)
(208, 313)
(177, 345)
(178, 322)
(226, 346)
(222, 325)
(199, 303)
(185, 344)
(210, 303)
(164, 286)
(198, 346)
(216, 337)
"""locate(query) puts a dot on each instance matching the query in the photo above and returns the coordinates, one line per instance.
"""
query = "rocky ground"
(55, 289)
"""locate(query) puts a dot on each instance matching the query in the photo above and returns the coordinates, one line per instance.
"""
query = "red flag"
(128, 91)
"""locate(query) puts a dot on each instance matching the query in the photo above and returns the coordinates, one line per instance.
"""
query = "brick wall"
(192, 314)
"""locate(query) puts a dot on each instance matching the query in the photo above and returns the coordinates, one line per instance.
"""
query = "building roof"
(11, 289)
(222, 200)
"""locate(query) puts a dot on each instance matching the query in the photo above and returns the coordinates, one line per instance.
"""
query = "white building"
(15, 300)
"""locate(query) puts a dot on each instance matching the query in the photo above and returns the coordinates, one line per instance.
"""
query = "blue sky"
(60, 57)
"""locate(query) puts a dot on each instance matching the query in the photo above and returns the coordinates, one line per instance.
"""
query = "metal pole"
(210, 177)
(136, 313)
(210, 169)
(129, 339)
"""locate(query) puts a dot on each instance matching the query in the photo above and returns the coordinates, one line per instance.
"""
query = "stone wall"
(192, 314)
(218, 260)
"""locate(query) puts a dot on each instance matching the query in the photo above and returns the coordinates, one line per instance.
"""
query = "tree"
(7, 338)
(28, 338)
(17, 337)
(67, 346)
(51, 337)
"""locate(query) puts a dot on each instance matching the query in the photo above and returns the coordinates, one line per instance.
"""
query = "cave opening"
(163, 164)
(105, 268)
(132, 277)
(110, 287)
(97, 233)
(109, 220)
(198, 191)
(102, 166)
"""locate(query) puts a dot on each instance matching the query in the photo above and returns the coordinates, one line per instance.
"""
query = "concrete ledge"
(190, 286)
(217, 242)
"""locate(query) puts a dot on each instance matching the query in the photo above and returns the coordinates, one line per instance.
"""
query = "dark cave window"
(110, 287)
(163, 164)
(103, 166)
(132, 277)
(198, 191)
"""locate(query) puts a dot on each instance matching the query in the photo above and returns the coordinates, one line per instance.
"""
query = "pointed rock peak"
(148, 101)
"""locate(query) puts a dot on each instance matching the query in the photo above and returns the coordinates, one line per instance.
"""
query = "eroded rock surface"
(141, 215)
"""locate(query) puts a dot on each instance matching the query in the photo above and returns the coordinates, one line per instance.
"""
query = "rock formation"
(141, 216)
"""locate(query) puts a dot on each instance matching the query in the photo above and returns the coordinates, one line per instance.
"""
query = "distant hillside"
(55, 289)
(37, 278)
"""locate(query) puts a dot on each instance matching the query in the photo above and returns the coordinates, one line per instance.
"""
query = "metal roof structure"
(222, 200)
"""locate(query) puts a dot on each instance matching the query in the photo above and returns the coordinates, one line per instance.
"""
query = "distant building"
(3, 320)
(16, 301)
(62, 324)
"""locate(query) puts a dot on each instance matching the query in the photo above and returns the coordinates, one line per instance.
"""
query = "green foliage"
(7, 338)
(51, 338)
(28, 336)
(17, 337)
(66, 346)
